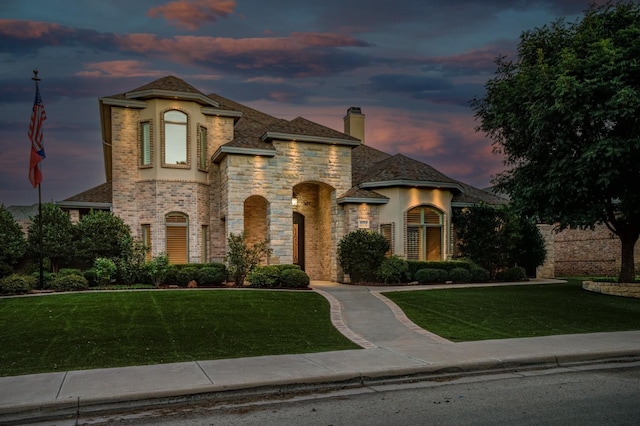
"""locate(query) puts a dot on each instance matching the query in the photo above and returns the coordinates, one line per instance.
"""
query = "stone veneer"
(613, 289)
(319, 171)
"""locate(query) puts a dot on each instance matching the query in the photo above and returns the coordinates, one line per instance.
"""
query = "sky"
(411, 65)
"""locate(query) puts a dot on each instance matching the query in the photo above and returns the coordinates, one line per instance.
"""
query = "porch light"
(294, 201)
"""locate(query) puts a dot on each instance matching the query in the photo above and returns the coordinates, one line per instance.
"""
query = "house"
(185, 169)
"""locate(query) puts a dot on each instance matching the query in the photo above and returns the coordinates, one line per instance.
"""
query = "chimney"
(354, 123)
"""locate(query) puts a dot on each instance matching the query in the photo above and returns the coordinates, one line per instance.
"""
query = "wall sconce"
(294, 200)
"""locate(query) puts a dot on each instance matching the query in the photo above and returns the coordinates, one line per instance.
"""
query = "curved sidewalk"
(394, 349)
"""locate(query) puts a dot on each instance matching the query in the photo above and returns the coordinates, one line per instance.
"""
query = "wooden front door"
(298, 239)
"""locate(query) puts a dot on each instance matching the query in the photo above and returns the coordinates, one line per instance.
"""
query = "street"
(593, 395)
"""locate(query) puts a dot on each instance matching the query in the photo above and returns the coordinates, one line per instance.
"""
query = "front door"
(298, 240)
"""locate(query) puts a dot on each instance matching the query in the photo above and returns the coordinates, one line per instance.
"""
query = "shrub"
(171, 275)
(105, 270)
(242, 259)
(158, 269)
(393, 269)
(261, 279)
(447, 265)
(361, 253)
(460, 275)
(70, 282)
(69, 271)
(431, 275)
(294, 278)
(479, 274)
(5, 270)
(13, 243)
(47, 278)
(211, 276)
(269, 276)
(186, 275)
(516, 273)
(17, 284)
(92, 277)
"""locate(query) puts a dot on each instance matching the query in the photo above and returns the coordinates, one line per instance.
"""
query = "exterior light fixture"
(294, 200)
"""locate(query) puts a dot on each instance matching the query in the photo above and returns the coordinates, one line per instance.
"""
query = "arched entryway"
(314, 207)
(256, 219)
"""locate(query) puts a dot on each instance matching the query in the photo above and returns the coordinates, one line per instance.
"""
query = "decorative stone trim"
(613, 289)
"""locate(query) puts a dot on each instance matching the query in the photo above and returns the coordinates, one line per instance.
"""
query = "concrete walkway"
(394, 349)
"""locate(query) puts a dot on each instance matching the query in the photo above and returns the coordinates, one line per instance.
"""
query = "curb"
(79, 407)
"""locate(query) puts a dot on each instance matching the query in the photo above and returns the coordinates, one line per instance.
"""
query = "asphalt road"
(593, 395)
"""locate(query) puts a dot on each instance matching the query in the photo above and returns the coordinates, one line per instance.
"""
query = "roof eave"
(171, 94)
(223, 151)
(361, 200)
(412, 183)
(308, 138)
(125, 103)
(84, 205)
(236, 115)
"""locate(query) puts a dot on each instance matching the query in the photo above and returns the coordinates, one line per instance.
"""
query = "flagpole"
(40, 254)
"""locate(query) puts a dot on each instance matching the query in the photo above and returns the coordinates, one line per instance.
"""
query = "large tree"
(12, 243)
(57, 236)
(566, 116)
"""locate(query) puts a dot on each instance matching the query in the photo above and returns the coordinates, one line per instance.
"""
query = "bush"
(211, 276)
(17, 284)
(186, 275)
(479, 274)
(294, 278)
(360, 253)
(516, 273)
(171, 275)
(69, 271)
(269, 276)
(242, 259)
(460, 275)
(70, 282)
(447, 265)
(393, 269)
(92, 277)
(431, 275)
(260, 279)
(47, 278)
(105, 270)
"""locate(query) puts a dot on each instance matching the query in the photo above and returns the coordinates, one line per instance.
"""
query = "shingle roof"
(97, 194)
(362, 158)
(402, 168)
(169, 83)
(356, 192)
(473, 195)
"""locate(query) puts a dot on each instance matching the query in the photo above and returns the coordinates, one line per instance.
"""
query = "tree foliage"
(498, 238)
(566, 116)
(102, 234)
(13, 245)
(57, 236)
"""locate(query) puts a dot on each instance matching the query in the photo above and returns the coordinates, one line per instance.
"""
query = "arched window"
(424, 233)
(175, 143)
(177, 231)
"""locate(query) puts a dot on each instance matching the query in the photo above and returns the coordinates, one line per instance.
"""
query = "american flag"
(38, 115)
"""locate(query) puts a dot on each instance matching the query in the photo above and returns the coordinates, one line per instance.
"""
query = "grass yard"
(466, 314)
(111, 329)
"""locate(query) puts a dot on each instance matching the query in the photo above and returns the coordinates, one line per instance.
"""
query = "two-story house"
(185, 169)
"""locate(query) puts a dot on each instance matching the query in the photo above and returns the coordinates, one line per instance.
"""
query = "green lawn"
(466, 314)
(109, 329)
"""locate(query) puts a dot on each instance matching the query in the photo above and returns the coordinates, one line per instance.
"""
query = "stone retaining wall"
(613, 289)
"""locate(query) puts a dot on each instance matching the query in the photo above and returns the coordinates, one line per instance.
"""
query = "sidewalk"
(393, 348)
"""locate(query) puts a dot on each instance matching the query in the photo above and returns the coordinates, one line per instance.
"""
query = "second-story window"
(145, 144)
(175, 138)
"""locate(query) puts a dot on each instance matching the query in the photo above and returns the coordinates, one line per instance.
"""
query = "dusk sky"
(411, 65)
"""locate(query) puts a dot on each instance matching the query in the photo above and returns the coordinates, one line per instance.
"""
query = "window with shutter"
(146, 240)
(177, 228)
(423, 236)
(146, 141)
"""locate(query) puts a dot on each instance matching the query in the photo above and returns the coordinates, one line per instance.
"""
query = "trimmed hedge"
(393, 269)
(460, 275)
(270, 276)
(209, 275)
(515, 273)
(294, 278)
(431, 275)
(447, 265)
(176, 274)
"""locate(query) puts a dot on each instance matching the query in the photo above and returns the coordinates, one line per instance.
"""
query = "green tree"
(57, 236)
(242, 259)
(13, 244)
(360, 253)
(499, 238)
(566, 116)
(102, 234)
